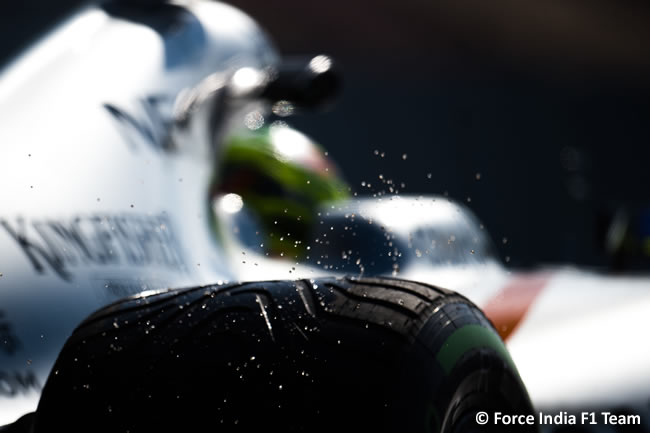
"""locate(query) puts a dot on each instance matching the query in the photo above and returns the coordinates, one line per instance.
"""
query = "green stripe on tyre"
(467, 338)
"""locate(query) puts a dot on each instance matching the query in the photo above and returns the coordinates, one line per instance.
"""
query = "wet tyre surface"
(370, 354)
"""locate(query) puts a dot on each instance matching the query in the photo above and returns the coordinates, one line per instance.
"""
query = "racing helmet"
(283, 178)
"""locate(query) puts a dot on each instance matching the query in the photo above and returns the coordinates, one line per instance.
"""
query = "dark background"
(547, 100)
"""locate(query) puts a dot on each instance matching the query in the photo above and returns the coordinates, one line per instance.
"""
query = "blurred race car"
(147, 169)
(558, 322)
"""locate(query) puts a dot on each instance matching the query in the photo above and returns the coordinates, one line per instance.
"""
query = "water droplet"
(254, 120)
(283, 108)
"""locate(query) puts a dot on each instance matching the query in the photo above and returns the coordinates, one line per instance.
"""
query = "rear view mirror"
(307, 83)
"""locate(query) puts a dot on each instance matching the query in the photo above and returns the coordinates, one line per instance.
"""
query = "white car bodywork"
(103, 209)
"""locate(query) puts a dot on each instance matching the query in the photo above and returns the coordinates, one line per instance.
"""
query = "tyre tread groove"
(373, 301)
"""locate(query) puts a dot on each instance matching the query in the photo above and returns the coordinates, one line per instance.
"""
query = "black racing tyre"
(325, 355)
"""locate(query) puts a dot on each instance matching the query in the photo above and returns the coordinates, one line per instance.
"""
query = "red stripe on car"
(508, 308)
